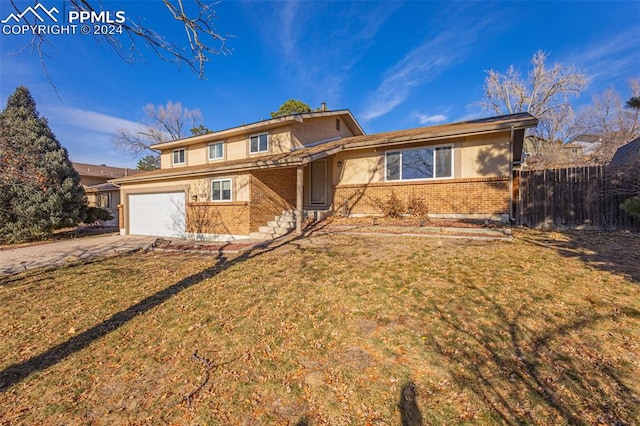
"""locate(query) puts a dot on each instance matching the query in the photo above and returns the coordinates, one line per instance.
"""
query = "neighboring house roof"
(101, 187)
(588, 142)
(95, 170)
(259, 126)
(627, 155)
(308, 154)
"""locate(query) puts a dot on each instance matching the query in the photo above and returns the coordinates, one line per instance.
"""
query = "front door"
(318, 177)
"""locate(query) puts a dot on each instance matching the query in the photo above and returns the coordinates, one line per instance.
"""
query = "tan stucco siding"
(473, 157)
(319, 130)
(238, 148)
(194, 187)
(485, 155)
(235, 148)
(165, 159)
(358, 167)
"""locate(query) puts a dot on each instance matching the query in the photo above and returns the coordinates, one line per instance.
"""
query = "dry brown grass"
(327, 330)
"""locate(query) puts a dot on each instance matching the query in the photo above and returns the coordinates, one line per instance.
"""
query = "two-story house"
(231, 183)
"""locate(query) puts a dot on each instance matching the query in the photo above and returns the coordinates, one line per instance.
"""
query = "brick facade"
(477, 196)
(271, 192)
(218, 218)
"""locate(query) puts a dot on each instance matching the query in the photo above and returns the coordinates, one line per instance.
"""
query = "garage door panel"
(161, 215)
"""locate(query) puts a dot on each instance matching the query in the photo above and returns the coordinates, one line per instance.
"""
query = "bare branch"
(608, 118)
(163, 123)
(545, 95)
(202, 39)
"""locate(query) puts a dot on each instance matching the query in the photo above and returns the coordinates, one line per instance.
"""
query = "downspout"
(511, 143)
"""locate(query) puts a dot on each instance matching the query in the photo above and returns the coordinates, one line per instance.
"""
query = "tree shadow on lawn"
(18, 372)
(615, 251)
(529, 374)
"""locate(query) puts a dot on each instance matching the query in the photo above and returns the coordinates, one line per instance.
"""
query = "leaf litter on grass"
(328, 329)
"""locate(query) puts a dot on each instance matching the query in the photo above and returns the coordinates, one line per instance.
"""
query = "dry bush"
(392, 207)
(417, 208)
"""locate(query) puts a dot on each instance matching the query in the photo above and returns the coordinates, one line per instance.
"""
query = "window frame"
(221, 200)
(434, 148)
(259, 151)
(209, 157)
(184, 157)
(100, 196)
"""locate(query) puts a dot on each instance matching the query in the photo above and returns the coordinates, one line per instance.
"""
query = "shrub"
(632, 206)
(392, 207)
(95, 214)
(417, 208)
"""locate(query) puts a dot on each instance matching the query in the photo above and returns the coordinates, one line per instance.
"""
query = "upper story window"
(179, 156)
(216, 151)
(419, 163)
(259, 143)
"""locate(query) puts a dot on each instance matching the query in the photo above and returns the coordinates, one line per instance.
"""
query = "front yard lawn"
(328, 329)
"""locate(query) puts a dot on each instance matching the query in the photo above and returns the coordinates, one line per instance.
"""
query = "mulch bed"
(411, 222)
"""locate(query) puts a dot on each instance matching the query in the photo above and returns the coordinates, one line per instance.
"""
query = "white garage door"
(161, 215)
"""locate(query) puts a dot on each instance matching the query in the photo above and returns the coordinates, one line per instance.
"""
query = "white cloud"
(87, 134)
(617, 57)
(90, 121)
(418, 67)
(429, 119)
(427, 61)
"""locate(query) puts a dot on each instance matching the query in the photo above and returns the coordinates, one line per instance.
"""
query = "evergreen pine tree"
(39, 189)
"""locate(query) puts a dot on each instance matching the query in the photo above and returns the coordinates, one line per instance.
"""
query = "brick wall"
(488, 196)
(218, 218)
(271, 192)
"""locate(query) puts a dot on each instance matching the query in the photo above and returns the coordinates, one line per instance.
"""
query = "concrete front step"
(287, 214)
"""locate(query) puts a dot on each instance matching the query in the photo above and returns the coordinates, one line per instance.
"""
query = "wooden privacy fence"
(575, 198)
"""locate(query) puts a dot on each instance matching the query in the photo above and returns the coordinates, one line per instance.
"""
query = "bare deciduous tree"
(162, 123)
(544, 94)
(610, 119)
(202, 38)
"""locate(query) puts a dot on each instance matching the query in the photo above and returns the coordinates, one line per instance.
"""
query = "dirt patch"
(204, 247)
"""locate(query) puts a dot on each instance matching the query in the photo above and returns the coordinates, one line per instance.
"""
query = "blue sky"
(394, 64)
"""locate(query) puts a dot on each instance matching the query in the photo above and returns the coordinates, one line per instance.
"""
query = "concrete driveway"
(61, 252)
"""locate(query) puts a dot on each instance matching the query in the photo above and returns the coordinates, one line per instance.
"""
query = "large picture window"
(259, 143)
(221, 190)
(420, 163)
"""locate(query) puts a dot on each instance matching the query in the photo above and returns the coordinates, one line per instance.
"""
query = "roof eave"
(400, 140)
(214, 171)
(352, 123)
